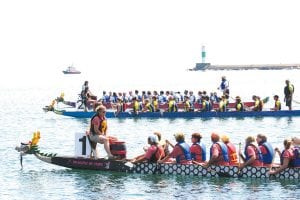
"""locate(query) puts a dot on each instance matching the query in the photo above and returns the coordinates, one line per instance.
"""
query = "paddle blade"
(129, 164)
(266, 99)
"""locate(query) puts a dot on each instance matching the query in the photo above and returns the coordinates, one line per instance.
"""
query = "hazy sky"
(135, 36)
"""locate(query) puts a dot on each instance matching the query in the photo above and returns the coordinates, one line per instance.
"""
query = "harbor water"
(22, 114)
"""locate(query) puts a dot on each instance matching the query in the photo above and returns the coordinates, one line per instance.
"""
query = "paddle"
(298, 102)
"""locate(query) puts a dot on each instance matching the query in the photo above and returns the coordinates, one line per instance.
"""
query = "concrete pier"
(208, 66)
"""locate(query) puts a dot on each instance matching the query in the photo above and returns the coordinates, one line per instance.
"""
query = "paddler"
(266, 149)
(258, 103)
(172, 106)
(198, 149)
(252, 153)
(218, 152)
(136, 105)
(181, 151)
(277, 104)
(239, 106)
(223, 104)
(188, 106)
(153, 153)
(148, 106)
(289, 157)
(232, 154)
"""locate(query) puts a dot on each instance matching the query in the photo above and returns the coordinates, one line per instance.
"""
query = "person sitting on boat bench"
(288, 157)
(239, 106)
(266, 149)
(277, 104)
(253, 156)
(218, 152)
(154, 153)
(232, 154)
(258, 103)
(181, 151)
(98, 129)
(198, 149)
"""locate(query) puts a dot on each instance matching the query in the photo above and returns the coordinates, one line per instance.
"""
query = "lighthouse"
(203, 65)
(203, 54)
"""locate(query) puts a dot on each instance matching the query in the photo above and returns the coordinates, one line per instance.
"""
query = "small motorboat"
(71, 70)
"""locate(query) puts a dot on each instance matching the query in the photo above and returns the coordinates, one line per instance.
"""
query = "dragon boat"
(84, 162)
(210, 114)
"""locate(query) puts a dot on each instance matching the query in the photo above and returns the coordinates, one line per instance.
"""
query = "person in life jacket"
(266, 149)
(287, 157)
(162, 142)
(155, 103)
(277, 103)
(218, 152)
(288, 94)
(258, 104)
(98, 130)
(198, 149)
(206, 104)
(153, 153)
(119, 106)
(181, 151)
(239, 106)
(136, 106)
(224, 86)
(252, 153)
(188, 105)
(223, 104)
(148, 106)
(232, 154)
(172, 106)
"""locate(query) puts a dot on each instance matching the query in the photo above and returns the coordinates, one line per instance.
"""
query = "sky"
(40, 38)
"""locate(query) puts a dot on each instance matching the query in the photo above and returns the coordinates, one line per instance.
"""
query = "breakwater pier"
(208, 66)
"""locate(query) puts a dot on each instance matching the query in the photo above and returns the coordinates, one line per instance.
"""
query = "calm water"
(22, 114)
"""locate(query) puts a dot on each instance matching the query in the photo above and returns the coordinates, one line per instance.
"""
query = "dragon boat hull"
(167, 168)
(212, 114)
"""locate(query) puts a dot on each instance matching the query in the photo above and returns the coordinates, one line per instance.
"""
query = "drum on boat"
(118, 148)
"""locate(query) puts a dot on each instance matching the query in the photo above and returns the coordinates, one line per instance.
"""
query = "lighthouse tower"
(203, 54)
(203, 65)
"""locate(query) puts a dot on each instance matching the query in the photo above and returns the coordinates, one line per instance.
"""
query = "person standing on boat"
(198, 149)
(181, 151)
(266, 149)
(288, 158)
(232, 154)
(288, 94)
(218, 152)
(98, 130)
(224, 86)
(153, 153)
(277, 105)
(252, 153)
(84, 95)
